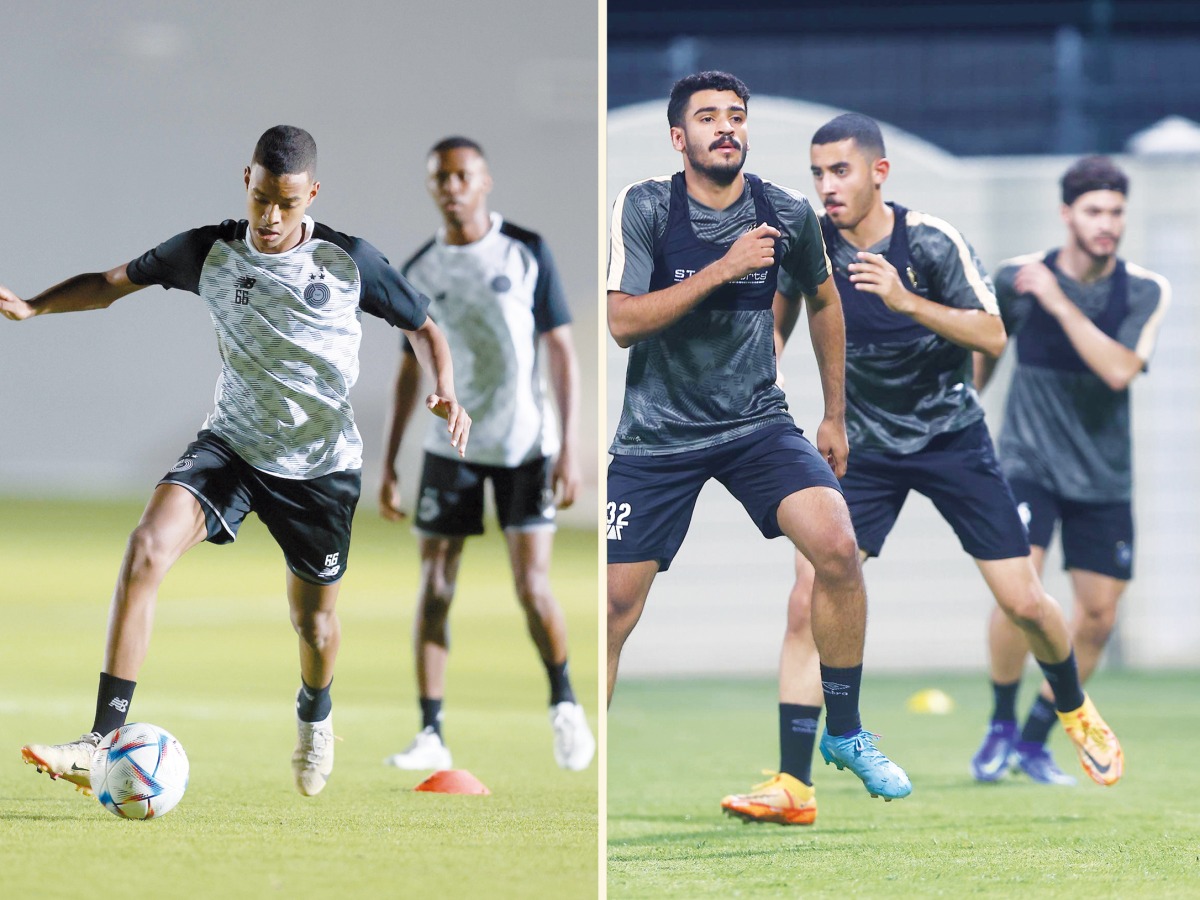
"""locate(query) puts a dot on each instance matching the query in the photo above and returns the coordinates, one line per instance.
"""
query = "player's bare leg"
(1020, 595)
(440, 560)
(817, 522)
(529, 555)
(314, 617)
(789, 798)
(628, 586)
(171, 524)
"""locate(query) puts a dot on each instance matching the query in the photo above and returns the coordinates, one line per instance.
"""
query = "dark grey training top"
(1064, 428)
(710, 377)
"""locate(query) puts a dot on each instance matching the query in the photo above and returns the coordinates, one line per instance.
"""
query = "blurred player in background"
(497, 296)
(916, 303)
(695, 261)
(285, 295)
(1084, 323)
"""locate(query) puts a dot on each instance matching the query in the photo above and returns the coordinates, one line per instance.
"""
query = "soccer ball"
(139, 771)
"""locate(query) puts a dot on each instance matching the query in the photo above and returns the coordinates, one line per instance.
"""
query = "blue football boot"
(857, 752)
(990, 761)
(1036, 762)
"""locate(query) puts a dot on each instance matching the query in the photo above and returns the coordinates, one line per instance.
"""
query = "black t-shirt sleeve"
(549, 299)
(177, 262)
(385, 292)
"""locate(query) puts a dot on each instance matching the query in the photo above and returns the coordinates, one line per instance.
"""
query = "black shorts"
(450, 503)
(958, 472)
(651, 498)
(309, 519)
(1096, 537)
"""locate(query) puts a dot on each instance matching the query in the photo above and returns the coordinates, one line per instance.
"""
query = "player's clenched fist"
(12, 306)
(754, 250)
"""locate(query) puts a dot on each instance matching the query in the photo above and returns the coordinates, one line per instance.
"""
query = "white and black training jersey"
(493, 299)
(288, 332)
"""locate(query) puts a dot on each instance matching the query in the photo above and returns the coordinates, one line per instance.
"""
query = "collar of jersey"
(307, 225)
(497, 221)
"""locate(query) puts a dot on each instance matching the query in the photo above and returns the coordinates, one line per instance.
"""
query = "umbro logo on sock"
(120, 704)
(833, 687)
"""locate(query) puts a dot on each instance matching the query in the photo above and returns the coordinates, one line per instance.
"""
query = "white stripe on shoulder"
(1149, 335)
(1023, 260)
(616, 254)
(985, 297)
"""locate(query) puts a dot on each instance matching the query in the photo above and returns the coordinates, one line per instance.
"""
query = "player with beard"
(695, 262)
(916, 304)
(1084, 323)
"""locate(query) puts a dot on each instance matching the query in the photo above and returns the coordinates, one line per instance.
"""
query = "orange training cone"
(453, 781)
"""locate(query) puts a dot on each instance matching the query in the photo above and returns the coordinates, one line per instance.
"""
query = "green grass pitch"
(675, 747)
(222, 675)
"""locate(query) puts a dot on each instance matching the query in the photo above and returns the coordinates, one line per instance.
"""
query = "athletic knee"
(533, 592)
(1025, 607)
(317, 628)
(799, 616)
(836, 559)
(1095, 625)
(147, 554)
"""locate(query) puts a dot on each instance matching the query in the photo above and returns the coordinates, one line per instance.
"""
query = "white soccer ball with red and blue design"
(139, 771)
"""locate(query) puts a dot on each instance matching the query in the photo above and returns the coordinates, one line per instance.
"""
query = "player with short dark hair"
(285, 295)
(916, 303)
(695, 261)
(497, 296)
(1084, 322)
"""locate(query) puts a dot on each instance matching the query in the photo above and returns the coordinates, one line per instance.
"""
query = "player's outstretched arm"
(564, 376)
(94, 290)
(635, 317)
(827, 329)
(433, 353)
(404, 401)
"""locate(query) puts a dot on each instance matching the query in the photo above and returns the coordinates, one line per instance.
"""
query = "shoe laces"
(92, 737)
(314, 742)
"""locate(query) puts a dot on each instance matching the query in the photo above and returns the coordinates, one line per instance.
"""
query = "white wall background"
(127, 122)
(722, 605)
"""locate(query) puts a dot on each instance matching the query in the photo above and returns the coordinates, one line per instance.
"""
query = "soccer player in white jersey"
(497, 296)
(285, 295)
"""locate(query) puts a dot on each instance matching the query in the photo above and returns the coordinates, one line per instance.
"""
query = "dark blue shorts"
(651, 498)
(958, 472)
(309, 518)
(1096, 537)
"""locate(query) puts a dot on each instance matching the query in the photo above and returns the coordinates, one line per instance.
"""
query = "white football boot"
(312, 760)
(425, 752)
(574, 745)
(71, 762)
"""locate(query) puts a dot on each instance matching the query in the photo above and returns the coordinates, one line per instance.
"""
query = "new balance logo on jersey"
(120, 704)
(618, 518)
(241, 289)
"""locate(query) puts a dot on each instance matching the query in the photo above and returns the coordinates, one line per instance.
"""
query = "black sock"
(1064, 682)
(112, 703)
(313, 704)
(841, 688)
(560, 683)
(431, 714)
(1041, 720)
(1004, 700)
(797, 734)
